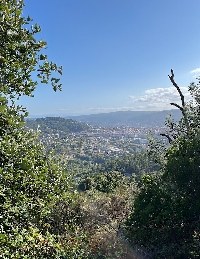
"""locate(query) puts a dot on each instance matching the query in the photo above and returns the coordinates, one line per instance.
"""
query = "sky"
(116, 54)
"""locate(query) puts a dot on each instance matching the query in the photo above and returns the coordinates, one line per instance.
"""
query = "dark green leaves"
(167, 210)
(20, 53)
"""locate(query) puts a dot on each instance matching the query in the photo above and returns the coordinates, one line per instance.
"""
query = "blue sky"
(116, 54)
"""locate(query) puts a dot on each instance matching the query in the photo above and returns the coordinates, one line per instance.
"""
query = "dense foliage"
(42, 215)
(167, 210)
(114, 173)
(50, 209)
(135, 165)
(38, 206)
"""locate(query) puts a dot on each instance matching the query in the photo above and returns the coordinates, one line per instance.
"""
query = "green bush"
(166, 213)
(39, 208)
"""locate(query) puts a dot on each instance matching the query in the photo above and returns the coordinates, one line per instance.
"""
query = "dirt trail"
(117, 247)
(131, 253)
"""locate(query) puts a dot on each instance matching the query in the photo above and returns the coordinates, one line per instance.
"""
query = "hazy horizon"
(76, 115)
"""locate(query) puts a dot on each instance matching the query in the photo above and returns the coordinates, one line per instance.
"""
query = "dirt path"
(117, 247)
(131, 253)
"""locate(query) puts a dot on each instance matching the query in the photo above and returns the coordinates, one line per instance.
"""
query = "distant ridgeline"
(53, 124)
(129, 118)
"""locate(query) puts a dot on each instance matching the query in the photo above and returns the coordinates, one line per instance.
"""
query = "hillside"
(50, 124)
(128, 118)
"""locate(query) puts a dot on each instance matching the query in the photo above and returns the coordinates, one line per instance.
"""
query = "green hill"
(50, 124)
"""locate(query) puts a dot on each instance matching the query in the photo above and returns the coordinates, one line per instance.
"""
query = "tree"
(20, 59)
(167, 210)
(39, 210)
(21, 55)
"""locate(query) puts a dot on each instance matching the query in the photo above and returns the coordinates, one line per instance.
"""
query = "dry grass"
(102, 216)
(112, 246)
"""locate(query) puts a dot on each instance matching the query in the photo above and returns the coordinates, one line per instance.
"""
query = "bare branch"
(167, 136)
(177, 87)
(178, 106)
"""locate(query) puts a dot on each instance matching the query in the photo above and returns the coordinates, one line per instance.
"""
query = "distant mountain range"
(112, 119)
(128, 118)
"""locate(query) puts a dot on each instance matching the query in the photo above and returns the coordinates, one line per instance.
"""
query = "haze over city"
(116, 54)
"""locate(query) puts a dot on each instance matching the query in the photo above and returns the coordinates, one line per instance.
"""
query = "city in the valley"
(96, 144)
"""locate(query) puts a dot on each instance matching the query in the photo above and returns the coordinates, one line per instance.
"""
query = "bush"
(166, 211)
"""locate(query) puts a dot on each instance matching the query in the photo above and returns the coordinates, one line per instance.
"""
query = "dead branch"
(178, 89)
(167, 136)
(178, 106)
